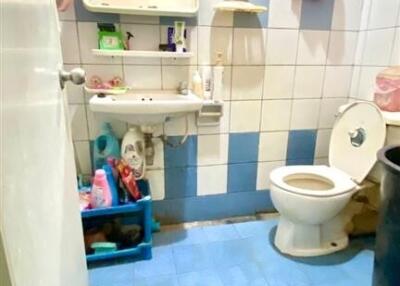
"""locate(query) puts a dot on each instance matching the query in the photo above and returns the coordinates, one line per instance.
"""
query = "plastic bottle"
(106, 145)
(133, 151)
(206, 81)
(196, 84)
(100, 196)
(112, 183)
(218, 74)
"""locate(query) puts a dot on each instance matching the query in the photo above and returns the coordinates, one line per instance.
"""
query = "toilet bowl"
(311, 199)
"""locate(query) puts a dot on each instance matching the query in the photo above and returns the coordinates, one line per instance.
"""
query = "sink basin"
(145, 107)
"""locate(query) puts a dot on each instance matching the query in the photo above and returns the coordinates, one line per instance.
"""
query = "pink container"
(387, 93)
(100, 196)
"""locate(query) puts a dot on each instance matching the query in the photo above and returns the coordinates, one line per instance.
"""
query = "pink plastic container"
(387, 93)
(100, 196)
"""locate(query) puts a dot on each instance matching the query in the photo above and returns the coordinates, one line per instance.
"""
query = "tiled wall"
(378, 45)
(286, 73)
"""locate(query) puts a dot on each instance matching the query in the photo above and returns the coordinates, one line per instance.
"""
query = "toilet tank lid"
(391, 118)
(359, 132)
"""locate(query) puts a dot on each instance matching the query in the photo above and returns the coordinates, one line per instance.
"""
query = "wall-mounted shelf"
(239, 6)
(178, 8)
(140, 54)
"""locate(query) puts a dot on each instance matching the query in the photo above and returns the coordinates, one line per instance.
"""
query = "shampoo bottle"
(197, 84)
(218, 74)
(100, 196)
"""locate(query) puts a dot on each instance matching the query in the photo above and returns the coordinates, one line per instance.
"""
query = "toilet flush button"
(357, 136)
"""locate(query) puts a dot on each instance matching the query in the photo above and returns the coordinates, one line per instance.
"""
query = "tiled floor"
(237, 254)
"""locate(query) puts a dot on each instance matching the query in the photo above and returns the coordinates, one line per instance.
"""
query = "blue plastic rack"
(143, 206)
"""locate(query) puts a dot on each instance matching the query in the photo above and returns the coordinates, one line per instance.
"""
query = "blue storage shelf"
(143, 206)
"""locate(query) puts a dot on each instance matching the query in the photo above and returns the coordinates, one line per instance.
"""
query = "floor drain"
(334, 244)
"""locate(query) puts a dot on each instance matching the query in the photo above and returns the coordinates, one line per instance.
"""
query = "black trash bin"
(387, 248)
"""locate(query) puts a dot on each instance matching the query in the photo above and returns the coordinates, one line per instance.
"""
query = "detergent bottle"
(106, 145)
(100, 196)
(133, 151)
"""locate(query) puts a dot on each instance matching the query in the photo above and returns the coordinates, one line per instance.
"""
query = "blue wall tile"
(301, 144)
(212, 207)
(169, 21)
(182, 156)
(84, 15)
(309, 161)
(243, 147)
(242, 177)
(251, 20)
(180, 182)
(316, 14)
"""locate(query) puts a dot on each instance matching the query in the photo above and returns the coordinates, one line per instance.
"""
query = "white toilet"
(311, 199)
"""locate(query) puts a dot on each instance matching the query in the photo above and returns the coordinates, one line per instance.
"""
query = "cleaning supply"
(206, 81)
(170, 40)
(387, 91)
(179, 35)
(103, 247)
(128, 179)
(112, 184)
(106, 145)
(217, 75)
(197, 87)
(133, 151)
(100, 196)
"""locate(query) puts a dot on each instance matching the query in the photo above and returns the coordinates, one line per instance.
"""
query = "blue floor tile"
(201, 278)
(221, 233)
(191, 258)
(237, 254)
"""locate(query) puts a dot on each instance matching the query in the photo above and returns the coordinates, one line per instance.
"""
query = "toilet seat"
(340, 182)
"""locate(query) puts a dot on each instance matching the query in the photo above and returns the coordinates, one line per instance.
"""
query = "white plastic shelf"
(140, 54)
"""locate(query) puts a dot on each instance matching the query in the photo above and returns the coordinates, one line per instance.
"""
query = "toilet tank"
(392, 138)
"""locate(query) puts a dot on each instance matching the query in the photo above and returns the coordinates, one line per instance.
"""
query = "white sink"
(145, 107)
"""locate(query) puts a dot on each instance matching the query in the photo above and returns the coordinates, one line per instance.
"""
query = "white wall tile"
(173, 75)
(342, 47)
(329, 109)
(157, 184)
(212, 180)
(209, 17)
(305, 114)
(245, 116)
(146, 38)
(212, 149)
(77, 117)
(191, 46)
(347, 15)
(88, 40)
(322, 144)
(313, 47)
(139, 19)
(263, 171)
(69, 42)
(378, 47)
(94, 121)
(395, 58)
(365, 12)
(247, 82)
(337, 81)
(275, 115)
(383, 13)
(278, 82)
(273, 146)
(223, 127)
(282, 46)
(366, 86)
(249, 46)
(105, 72)
(308, 81)
(321, 161)
(359, 53)
(284, 13)
(214, 40)
(355, 82)
(82, 158)
(143, 77)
